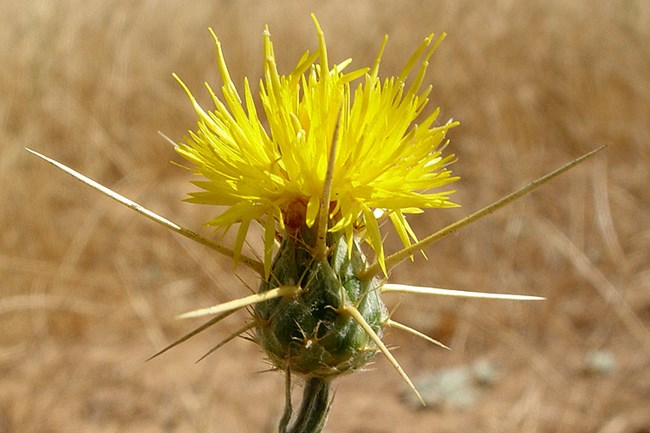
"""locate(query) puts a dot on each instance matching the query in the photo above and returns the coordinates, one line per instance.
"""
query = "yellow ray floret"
(264, 167)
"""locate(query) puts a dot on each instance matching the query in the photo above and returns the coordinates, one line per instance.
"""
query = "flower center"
(294, 215)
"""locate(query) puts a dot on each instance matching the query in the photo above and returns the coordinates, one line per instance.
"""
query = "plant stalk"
(313, 410)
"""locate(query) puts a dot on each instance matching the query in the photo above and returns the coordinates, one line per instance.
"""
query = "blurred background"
(89, 289)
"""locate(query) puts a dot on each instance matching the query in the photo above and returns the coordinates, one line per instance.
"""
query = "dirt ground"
(89, 290)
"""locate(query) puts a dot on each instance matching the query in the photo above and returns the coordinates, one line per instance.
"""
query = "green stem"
(288, 408)
(313, 410)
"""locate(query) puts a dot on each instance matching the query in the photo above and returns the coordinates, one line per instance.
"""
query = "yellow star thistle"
(274, 170)
(336, 152)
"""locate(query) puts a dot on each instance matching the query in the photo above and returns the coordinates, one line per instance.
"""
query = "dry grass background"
(88, 290)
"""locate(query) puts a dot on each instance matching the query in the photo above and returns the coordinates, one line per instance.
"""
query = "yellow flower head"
(273, 169)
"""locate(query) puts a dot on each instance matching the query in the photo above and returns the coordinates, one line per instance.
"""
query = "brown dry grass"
(88, 290)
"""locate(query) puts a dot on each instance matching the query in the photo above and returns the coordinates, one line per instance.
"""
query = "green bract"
(309, 333)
